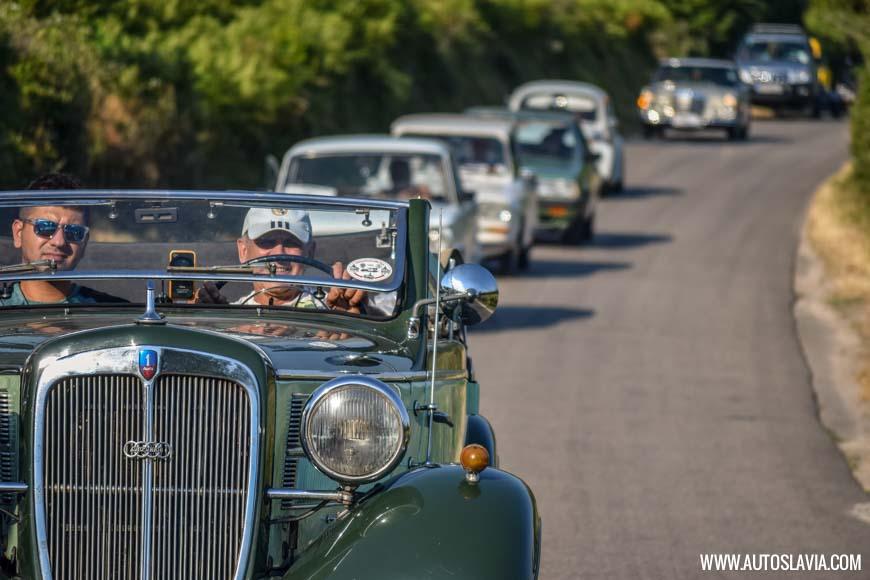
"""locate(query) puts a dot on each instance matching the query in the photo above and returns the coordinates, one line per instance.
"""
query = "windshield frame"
(254, 198)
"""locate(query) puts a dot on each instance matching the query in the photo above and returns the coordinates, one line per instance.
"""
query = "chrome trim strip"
(39, 198)
(391, 376)
(148, 479)
(13, 487)
(284, 493)
(398, 278)
(125, 360)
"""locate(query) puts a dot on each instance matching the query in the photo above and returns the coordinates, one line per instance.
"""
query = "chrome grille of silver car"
(691, 103)
(96, 498)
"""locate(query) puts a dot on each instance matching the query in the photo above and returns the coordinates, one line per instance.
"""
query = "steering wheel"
(291, 258)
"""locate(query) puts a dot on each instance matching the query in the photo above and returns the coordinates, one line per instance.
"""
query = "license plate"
(686, 120)
(769, 89)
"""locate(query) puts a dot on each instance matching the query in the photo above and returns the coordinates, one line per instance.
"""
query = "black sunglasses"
(270, 242)
(72, 233)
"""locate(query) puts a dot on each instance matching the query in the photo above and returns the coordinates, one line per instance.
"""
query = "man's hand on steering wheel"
(209, 293)
(344, 299)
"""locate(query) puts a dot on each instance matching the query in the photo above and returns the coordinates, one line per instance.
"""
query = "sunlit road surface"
(651, 389)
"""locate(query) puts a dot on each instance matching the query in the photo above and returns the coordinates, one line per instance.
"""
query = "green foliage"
(847, 22)
(195, 94)
(713, 27)
(861, 133)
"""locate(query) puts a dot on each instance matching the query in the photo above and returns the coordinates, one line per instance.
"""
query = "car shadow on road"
(642, 192)
(569, 269)
(530, 317)
(621, 241)
(711, 139)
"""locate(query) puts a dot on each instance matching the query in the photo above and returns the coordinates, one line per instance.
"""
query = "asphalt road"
(651, 388)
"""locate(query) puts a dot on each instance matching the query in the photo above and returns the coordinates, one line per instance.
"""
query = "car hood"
(703, 88)
(498, 189)
(555, 173)
(293, 345)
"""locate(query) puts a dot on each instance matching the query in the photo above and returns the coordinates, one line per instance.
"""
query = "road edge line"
(831, 349)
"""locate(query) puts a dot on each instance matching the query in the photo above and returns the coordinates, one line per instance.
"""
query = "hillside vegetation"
(847, 23)
(174, 93)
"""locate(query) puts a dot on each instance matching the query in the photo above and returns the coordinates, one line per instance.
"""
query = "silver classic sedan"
(507, 198)
(690, 94)
(385, 167)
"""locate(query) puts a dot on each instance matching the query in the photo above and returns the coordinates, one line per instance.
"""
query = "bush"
(172, 93)
(861, 133)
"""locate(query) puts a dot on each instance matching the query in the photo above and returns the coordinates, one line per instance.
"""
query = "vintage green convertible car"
(244, 385)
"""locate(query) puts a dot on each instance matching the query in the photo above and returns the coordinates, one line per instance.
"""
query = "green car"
(551, 147)
(244, 385)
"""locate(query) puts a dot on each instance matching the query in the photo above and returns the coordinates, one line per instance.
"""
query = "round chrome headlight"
(355, 429)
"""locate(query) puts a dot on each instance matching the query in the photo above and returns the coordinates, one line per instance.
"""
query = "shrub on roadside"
(861, 134)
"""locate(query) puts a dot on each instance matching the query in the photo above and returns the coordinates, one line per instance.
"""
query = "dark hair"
(55, 181)
(59, 181)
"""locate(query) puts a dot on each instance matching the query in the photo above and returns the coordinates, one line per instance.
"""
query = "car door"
(466, 219)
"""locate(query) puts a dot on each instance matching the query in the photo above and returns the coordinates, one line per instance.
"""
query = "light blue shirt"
(19, 299)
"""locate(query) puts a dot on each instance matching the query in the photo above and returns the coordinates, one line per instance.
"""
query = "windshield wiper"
(231, 269)
(29, 266)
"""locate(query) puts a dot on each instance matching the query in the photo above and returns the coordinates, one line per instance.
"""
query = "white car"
(506, 196)
(386, 167)
(593, 108)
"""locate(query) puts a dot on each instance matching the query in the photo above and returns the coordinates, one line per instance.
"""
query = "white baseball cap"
(262, 220)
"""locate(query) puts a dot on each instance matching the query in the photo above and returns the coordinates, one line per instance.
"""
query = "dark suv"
(776, 60)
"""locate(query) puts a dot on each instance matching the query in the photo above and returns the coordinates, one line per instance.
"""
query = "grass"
(839, 229)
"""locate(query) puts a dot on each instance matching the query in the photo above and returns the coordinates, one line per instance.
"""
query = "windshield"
(768, 51)
(544, 145)
(697, 74)
(384, 176)
(582, 106)
(214, 251)
(475, 153)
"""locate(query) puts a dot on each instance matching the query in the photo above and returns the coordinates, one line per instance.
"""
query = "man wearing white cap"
(279, 231)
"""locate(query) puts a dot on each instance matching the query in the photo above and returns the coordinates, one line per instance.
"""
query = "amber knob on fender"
(474, 459)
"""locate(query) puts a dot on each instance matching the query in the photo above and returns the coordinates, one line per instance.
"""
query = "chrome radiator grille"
(111, 516)
(200, 493)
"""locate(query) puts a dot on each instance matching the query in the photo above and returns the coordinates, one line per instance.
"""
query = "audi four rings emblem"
(147, 450)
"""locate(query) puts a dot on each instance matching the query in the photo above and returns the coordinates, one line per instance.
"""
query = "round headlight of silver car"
(355, 429)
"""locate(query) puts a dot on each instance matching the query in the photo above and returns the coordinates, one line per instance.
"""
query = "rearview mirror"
(480, 292)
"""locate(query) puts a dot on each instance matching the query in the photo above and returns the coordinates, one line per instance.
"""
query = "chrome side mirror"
(479, 290)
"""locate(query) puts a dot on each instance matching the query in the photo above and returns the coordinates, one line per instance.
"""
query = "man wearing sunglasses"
(57, 234)
(272, 232)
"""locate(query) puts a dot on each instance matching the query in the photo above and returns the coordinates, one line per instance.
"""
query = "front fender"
(431, 523)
